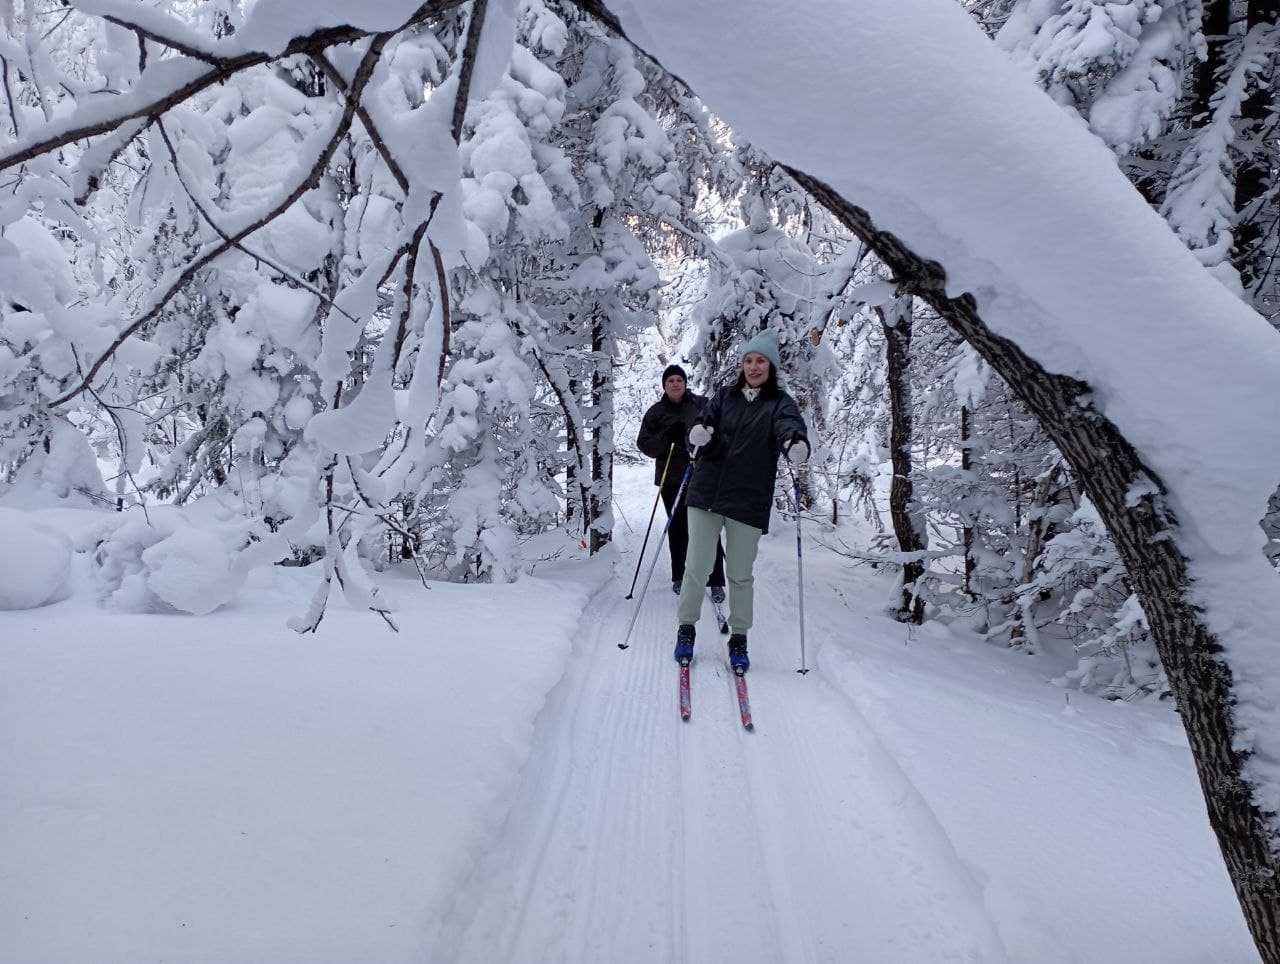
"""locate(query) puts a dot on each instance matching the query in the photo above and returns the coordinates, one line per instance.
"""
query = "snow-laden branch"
(329, 144)
(240, 245)
(168, 82)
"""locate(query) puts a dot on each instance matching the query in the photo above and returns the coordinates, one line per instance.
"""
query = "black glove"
(675, 432)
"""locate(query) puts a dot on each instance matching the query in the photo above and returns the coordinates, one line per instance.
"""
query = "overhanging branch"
(363, 75)
(79, 125)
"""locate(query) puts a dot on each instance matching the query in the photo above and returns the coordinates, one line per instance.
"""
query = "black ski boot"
(684, 644)
(738, 653)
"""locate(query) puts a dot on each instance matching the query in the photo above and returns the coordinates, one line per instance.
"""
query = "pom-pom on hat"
(766, 343)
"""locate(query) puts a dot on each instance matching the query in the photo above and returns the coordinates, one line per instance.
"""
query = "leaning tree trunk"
(1108, 467)
(906, 522)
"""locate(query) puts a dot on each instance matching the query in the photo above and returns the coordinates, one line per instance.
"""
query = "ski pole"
(670, 452)
(799, 565)
(675, 507)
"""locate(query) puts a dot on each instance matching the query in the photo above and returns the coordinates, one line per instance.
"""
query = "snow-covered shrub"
(165, 563)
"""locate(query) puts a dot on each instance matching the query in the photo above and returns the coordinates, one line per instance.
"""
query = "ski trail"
(636, 837)
(868, 808)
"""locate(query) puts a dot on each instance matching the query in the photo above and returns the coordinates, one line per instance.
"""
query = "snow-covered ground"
(500, 782)
(220, 788)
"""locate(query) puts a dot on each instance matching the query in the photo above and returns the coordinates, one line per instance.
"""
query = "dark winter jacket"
(735, 473)
(664, 423)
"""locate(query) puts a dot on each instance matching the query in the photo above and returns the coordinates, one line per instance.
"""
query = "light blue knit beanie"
(766, 343)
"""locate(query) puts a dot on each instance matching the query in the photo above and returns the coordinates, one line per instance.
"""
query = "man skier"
(667, 423)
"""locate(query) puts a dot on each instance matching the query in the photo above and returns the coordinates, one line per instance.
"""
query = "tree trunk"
(1143, 530)
(906, 524)
(1022, 635)
(601, 531)
(1253, 168)
(1037, 526)
(571, 464)
(966, 466)
(1217, 27)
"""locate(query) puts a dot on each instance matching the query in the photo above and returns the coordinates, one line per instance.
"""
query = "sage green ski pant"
(740, 544)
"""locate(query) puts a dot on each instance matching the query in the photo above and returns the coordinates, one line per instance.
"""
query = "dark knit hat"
(673, 370)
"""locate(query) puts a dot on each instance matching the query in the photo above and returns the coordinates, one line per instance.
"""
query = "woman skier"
(738, 439)
(666, 424)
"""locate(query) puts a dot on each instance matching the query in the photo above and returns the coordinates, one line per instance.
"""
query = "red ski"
(685, 708)
(744, 705)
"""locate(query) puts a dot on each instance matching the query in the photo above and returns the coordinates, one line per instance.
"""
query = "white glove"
(700, 435)
(798, 453)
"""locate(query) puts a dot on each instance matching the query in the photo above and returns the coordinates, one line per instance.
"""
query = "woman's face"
(756, 368)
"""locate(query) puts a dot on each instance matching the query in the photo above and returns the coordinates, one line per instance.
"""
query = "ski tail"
(686, 703)
(744, 704)
(721, 621)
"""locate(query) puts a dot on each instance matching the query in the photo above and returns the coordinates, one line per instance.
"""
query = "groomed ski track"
(637, 837)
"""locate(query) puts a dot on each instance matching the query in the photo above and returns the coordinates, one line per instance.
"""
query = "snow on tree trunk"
(966, 466)
(907, 525)
(1051, 260)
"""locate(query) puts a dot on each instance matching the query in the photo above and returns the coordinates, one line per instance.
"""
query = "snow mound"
(166, 563)
(192, 571)
(34, 565)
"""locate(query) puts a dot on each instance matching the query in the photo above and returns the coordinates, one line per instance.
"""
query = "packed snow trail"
(637, 837)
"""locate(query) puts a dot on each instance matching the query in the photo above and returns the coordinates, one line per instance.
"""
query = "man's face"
(756, 368)
(674, 388)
